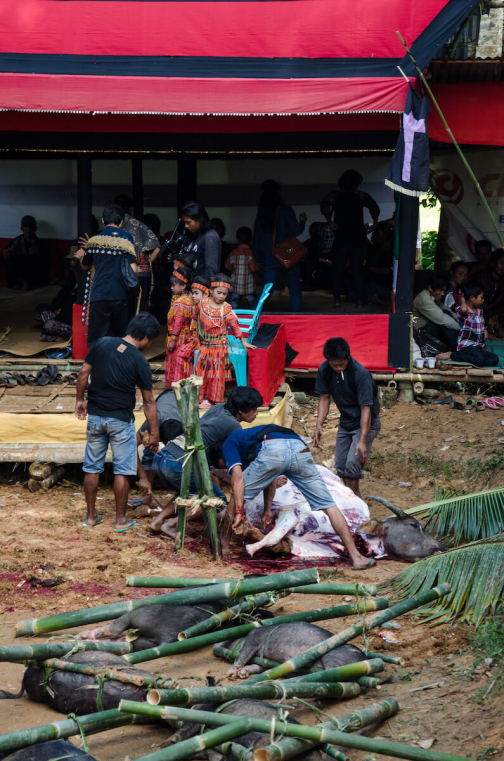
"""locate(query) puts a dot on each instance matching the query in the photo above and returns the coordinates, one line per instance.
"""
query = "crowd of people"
(251, 459)
(460, 308)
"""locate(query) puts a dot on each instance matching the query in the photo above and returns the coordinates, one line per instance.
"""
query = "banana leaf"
(475, 573)
(466, 518)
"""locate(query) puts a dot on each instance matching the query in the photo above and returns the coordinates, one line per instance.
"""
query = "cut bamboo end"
(181, 636)
(153, 697)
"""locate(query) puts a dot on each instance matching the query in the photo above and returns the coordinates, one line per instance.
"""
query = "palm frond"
(467, 518)
(475, 573)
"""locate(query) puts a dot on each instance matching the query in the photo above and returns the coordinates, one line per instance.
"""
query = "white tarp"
(469, 220)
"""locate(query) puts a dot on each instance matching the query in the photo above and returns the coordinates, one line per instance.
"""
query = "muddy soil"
(43, 542)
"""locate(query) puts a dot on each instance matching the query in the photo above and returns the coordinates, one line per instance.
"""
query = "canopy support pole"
(137, 186)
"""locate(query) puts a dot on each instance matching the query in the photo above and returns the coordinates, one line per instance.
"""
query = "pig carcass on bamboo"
(403, 536)
(281, 643)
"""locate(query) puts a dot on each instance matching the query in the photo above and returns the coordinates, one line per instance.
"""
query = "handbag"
(129, 279)
(290, 252)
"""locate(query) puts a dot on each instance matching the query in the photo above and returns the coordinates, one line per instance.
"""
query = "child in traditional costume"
(200, 289)
(179, 324)
(211, 319)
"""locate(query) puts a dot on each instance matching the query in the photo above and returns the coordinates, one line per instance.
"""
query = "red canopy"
(223, 57)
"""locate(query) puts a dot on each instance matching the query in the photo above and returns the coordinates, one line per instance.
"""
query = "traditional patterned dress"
(210, 325)
(179, 323)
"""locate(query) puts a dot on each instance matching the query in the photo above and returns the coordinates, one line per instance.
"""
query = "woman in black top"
(344, 210)
(205, 244)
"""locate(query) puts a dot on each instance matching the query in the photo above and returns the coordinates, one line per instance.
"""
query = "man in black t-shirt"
(118, 367)
(354, 393)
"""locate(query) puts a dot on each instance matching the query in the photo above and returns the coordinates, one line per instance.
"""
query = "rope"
(81, 730)
(79, 645)
(101, 681)
(362, 614)
(261, 653)
(237, 589)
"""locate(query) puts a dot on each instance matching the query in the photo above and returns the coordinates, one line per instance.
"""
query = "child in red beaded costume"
(211, 319)
(179, 323)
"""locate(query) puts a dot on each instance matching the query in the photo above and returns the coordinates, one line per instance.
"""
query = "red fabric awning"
(474, 112)
(232, 57)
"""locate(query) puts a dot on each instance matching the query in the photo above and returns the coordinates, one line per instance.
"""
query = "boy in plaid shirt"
(471, 345)
(242, 264)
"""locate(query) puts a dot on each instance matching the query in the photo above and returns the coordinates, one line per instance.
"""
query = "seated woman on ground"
(459, 272)
(433, 316)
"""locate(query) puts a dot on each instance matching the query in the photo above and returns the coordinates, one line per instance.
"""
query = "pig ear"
(372, 527)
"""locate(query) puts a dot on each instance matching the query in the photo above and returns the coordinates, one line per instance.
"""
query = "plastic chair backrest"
(250, 323)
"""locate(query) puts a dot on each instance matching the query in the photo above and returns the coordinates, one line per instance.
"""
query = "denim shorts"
(283, 457)
(169, 469)
(102, 431)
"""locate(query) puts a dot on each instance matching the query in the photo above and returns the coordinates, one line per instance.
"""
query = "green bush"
(429, 243)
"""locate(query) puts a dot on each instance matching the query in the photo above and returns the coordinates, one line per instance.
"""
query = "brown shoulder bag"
(290, 252)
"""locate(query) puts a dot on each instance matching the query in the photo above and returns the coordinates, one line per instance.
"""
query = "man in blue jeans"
(117, 366)
(255, 457)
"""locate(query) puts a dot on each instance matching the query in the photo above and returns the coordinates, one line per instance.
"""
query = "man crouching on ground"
(117, 367)
(256, 457)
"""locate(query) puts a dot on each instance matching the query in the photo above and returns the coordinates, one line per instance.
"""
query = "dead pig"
(49, 751)
(281, 643)
(251, 708)
(403, 536)
(156, 624)
(68, 692)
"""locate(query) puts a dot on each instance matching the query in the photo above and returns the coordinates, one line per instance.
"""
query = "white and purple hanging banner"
(409, 169)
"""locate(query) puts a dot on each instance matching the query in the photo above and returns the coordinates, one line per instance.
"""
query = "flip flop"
(456, 405)
(47, 375)
(92, 525)
(371, 562)
(58, 353)
(133, 503)
(126, 528)
(490, 403)
(499, 401)
(446, 400)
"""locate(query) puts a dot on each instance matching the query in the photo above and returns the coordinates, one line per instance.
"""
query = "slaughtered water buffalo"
(49, 751)
(251, 708)
(283, 642)
(68, 692)
(403, 536)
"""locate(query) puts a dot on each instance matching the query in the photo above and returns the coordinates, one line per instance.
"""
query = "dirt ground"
(43, 539)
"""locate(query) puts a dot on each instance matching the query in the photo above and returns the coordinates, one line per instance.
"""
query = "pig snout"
(407, 540)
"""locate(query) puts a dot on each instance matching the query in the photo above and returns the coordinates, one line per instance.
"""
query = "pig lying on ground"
(283, 642)
(49, 751)
(254, 709)
(403, 536)
(67, 692)
(156, 624)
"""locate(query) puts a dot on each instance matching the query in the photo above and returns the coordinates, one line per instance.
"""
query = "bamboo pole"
(217, 619)
(452, 138)
(337, 589)
(228, 655)
(319, 734)
(58, 730)
(110, 673)
(342, 673)
(320, 588)
(187, 645)
(194, 596)
(385, 657)
(314, 653)
(15, 653)
(369, 681)
(182, 404)
(171, 582)
(374, 714)
(321, 614)
(188, 748)
(273, 690)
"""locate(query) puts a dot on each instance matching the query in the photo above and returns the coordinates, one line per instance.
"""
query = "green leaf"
(461, 519)
(475, 572)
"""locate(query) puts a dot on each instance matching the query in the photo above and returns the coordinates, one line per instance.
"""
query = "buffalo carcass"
(403, 536)
(48, 751)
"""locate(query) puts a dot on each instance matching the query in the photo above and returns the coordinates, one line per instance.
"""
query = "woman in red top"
(459, 272)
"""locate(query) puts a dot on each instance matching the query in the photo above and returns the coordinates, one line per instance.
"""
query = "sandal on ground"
(446, 400)
(469, 404)
(133, 503)
(92, 525)
(456, 405)
(371, 562)
(499, 401)
(480, 406)
(5, 382)
(126, 528)
(47, 375)
(489, 402)
(205, 405)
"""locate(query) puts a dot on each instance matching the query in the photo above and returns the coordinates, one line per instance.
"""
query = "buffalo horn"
(396, 510)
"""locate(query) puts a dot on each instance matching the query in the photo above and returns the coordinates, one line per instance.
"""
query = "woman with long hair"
(275, 219)
(205, 241)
